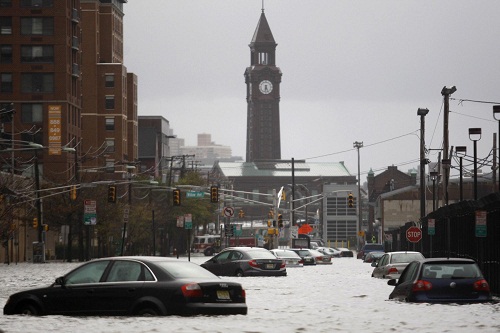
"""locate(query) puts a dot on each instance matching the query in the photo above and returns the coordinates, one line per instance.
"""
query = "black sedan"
(246, 261)
(142, 286)
(441, 280)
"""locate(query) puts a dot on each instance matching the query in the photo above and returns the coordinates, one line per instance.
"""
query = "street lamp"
(434, 175)
(130, 169)
(460, 151)
(475, 136)
(422, 113)
(496, 116)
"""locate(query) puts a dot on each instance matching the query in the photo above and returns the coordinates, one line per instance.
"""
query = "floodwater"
(342, 297)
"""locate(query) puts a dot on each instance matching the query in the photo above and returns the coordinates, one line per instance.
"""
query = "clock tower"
(263, 80)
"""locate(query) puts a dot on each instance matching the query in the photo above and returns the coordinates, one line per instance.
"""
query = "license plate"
(223, 294)
(269, 266)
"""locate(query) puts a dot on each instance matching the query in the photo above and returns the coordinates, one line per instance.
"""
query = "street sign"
(194, 194)
(414, 234)
(481, 230)
(89, 212)
(188, 221)
(228, 211)
(431, 227)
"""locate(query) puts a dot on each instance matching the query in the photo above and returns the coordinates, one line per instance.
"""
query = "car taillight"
(422, 285)
(243, 293)
(319, 258)
(301, 261)
(283, 264)
(253, 263)
(481, 285)
(393, 270)
(191, 290)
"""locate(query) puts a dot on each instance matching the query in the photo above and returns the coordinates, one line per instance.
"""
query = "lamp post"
(446, 92)
(496, 116)
(460, 151)
(422, 113)
(475, 136)
(129, 168)
(434, 176)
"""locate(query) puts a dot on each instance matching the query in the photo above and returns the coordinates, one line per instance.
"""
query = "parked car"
(319, 258)
(331, 251)
(306, 255)
(290, 258)
(392, 264)
(373, 256)
(369, 247)
(245, 261)
(345, 253)
(441, 280)
(132, 286)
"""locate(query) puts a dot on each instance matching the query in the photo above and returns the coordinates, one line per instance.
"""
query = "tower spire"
(263, 6)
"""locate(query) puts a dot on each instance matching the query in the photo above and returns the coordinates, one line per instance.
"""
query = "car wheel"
(239, 273)
(28, 309)
(147, 311)
(209, 252)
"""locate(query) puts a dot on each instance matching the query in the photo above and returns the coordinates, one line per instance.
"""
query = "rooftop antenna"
(263, 6)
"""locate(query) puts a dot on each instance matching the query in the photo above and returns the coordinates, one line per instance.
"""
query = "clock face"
(265, 87)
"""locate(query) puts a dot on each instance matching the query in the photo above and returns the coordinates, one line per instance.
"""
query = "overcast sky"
(352, 71)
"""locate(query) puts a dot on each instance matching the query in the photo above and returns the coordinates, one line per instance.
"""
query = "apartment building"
(63, 84)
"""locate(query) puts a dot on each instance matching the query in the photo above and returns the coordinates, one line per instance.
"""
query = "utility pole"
(422, 113)
(446, 92)
(358, 145)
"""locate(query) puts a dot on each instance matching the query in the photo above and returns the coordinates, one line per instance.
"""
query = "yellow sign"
(361, 233)
(54, 130)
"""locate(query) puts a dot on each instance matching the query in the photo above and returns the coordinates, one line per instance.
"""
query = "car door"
(404, 286)
(378, 271)
(216, 265)
(76, 294)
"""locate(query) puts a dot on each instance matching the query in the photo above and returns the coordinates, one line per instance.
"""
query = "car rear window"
(261, 254)
(451, 270)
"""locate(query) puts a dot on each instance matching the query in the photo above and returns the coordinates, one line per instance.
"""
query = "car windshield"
(182, 269)
(405, 257)
(373, 247)
(451, 270)
(261, 254)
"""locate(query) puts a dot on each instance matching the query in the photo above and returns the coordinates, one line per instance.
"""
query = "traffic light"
(350, 200)
(214, 194)
(72, 193)
(176, 195)
(280, 221)
(283, 195)
(111, 193)
(46, 227)
(271, 214)
(35, 222)
(241, 213)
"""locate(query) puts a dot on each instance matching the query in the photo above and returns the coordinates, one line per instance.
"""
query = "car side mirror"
(374, 264)
(60, 281)
(392, 282)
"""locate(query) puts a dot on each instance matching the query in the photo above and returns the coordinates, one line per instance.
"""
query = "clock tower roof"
(262, 34)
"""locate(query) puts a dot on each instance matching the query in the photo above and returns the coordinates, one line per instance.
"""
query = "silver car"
(290, 258)
(392, 264)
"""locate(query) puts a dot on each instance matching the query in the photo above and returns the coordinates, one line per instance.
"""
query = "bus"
(245, 234)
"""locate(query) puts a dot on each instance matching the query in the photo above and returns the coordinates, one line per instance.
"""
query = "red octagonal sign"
(414, 234)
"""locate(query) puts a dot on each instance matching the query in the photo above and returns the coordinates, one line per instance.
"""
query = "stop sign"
(414, 234)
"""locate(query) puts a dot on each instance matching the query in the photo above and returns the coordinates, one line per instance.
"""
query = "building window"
(5, 3)
(31, 113)
(5, 54)
(5, 25)
(37, 82)
(110, 166)
(110, 102)
(110, 81)
(6, 82)
(110, 124)
(263, 58)
(37, 53)
(37, 3)
(37, 25)
(110, 145)
(6, 112)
